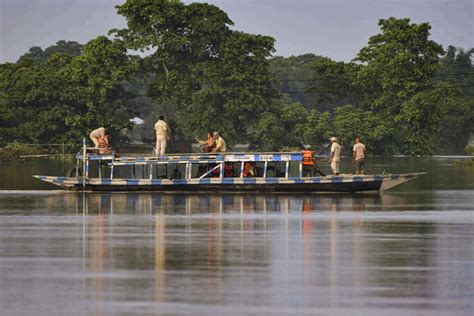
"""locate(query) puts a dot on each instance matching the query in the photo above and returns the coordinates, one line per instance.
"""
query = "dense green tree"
(39, 56)
(283, 127)
(99, 74)
(317, 128)
(205, 75)
(295, 76)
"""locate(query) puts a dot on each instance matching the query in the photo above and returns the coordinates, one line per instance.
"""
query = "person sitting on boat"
(220, 143)
(209, 144)
(104, 148)
(310, 165)
(249, 170)
(99, 132)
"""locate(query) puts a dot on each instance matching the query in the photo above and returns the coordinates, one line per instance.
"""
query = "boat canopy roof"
(201, 158)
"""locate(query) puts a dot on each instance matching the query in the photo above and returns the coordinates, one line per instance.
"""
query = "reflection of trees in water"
(398, 247)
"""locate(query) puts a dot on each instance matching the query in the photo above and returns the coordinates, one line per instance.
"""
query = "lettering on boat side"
(269, 157)
(240, 157)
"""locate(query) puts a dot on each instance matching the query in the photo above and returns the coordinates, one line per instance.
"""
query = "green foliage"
(293, 77)
(64, 98)
(39, 56)
(399, 94)
(13, 151)
(469, 149)
(317, 128)
(206, 76)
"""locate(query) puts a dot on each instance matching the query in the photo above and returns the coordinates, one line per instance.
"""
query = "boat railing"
(112, 160)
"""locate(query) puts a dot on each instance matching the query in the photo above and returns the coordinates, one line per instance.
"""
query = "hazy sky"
(333, 28)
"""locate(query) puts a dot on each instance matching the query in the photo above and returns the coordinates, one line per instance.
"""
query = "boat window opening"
(276, 169)
(294, 168)
(259, 169)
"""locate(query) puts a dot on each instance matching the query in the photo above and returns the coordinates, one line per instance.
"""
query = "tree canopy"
(402, 93)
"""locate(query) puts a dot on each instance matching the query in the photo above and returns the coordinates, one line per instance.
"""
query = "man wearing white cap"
(335, 156)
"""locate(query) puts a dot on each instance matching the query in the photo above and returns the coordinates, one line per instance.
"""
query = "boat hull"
(347, 183)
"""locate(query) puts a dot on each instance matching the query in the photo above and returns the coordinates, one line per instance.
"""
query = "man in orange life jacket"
(310, 166)
(104, 145)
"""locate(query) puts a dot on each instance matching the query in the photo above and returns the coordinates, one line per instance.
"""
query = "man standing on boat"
(220, 143)
(359, 156)
(310, 165)
(99, 133)
(162, 135)
(335, 156)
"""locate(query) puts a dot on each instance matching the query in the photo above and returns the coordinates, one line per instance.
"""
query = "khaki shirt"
(359, 149)
(98, 132)
(336, 149)
(220, 145)
(162, 130)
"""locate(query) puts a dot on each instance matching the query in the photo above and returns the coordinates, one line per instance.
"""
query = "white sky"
(332, 28)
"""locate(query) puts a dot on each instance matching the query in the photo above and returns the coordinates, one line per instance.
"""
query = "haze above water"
(406, 251)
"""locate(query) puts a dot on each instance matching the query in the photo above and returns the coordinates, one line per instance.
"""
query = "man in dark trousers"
(310, 165)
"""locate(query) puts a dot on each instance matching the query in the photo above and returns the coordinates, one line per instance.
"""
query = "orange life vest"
(308, 157)
(103, 146)
(248, 170)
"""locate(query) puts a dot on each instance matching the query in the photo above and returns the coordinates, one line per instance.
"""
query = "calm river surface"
(409, 251)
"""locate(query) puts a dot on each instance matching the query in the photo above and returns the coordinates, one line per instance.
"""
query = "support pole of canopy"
(84, 175)
(265, 165)
(287, 169)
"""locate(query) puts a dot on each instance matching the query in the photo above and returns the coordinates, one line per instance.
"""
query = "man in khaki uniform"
(359, 156)
(335, 156)
(162, 136)
(220, 143)
(99, 133)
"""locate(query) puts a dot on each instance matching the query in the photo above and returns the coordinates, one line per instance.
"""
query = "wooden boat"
(273, 172)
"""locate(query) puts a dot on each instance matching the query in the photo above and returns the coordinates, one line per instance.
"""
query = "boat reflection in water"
(202, 254)
(201, 246)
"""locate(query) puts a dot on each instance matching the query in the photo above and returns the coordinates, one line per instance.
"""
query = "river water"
(407, 251)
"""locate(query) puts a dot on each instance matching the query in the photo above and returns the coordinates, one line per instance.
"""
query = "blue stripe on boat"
(257, 157)
(105, 181)
(179, 181)
(250, 180)
(357, 179)
(132, 181)
(156, 181)
(272, 180)
(394, 177)
(140, 159)
(58, 180)
(227, 181)
(316, 180)
(277, 157)
(205, 181)
(336, 180)
(296, 157)
(296, 179)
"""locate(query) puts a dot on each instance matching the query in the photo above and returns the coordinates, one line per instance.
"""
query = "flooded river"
(409, 251)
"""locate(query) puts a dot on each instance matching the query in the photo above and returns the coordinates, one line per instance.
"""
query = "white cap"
(333, 139)
(307, 146)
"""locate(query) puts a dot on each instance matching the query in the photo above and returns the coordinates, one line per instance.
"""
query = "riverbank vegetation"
(403, 92)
